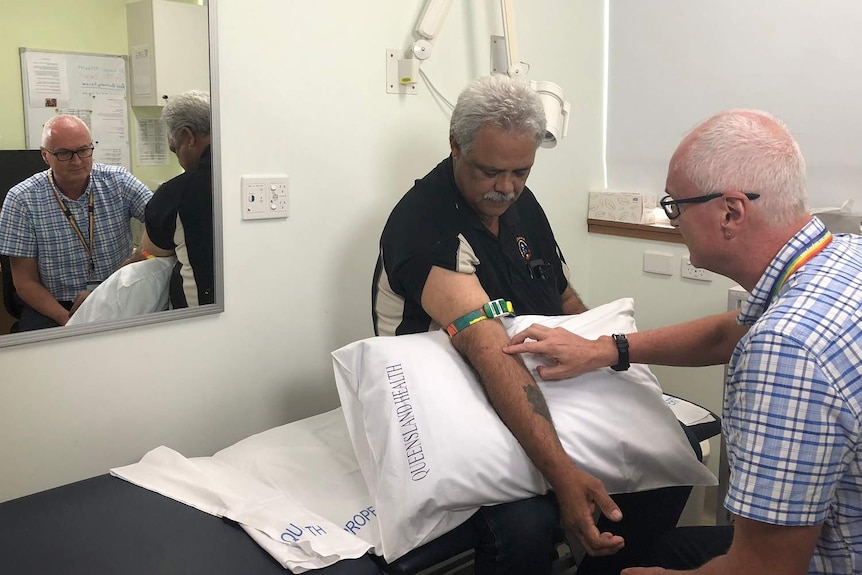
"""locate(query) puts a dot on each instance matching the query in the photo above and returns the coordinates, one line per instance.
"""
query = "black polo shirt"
(432, 225)
(179, 217)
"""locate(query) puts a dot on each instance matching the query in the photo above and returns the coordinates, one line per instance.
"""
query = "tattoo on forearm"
(537, 401)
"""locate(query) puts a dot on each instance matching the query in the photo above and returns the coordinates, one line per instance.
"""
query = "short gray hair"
(500, 101)
(188, 110)
(748, 151)
(48, 127)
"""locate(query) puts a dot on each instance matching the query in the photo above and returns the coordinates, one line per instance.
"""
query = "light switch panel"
(658, 263)
(265, 197)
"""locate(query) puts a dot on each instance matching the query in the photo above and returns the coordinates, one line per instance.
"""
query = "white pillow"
(134, 289)
(432, 449)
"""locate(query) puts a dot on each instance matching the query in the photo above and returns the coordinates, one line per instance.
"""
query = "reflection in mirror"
(160, 66)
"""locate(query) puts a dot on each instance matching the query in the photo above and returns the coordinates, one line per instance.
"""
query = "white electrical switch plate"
(658, 263)
(687, 270)
(265, 197)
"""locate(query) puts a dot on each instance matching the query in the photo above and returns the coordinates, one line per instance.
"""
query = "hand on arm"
(520, 404)
(758, 549)
(706, 341)
(28, 284)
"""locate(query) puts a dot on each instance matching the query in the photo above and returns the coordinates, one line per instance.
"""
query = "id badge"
(91, 285)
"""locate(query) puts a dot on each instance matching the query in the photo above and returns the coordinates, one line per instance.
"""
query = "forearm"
(705, 341)
(572, 303)
(516, 398)
(40, 299)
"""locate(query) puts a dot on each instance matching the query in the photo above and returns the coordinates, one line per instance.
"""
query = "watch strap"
(492, 309)
(623, 350)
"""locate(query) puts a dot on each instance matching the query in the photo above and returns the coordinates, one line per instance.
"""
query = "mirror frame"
(7, 340)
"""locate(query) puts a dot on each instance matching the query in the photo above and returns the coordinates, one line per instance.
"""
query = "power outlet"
(689, 271)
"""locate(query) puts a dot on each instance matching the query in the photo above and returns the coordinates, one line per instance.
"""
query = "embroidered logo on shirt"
(524, 249)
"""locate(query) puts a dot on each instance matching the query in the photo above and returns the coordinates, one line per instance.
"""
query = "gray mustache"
(499, 198)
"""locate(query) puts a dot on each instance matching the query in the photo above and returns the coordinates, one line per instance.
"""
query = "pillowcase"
(432, 449)
(295, 489)
(134, 289)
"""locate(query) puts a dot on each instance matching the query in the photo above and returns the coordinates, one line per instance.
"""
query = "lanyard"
(803, 256)
(71, 218)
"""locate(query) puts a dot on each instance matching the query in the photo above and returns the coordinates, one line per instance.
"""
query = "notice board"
(93, 87)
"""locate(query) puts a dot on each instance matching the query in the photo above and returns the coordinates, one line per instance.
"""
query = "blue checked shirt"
(33, 226)
(793, 405)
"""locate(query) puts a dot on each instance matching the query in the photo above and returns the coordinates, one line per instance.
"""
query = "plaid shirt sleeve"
(17, 235)
(136, 194)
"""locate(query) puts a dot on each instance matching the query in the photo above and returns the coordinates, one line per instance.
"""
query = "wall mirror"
(100, 27)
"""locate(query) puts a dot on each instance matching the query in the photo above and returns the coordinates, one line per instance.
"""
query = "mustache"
(500, 198)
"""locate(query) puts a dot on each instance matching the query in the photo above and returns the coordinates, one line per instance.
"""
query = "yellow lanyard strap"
(71, 218)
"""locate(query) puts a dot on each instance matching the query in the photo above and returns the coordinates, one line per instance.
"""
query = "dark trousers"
(31, 319)
(520, 538)
(686, 548)
(647, 516)
(509, 539)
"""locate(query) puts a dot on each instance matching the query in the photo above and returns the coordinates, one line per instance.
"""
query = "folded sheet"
(295, 489)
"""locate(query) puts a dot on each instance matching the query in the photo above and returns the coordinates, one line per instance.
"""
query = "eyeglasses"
(671, 206)
(66, 155)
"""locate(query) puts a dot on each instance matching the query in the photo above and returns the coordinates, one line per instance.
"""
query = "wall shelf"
(656, 232)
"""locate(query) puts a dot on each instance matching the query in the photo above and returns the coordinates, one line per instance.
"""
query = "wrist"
(607, 354)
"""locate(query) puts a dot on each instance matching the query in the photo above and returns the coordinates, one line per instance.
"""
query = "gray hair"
(48, 127)
(501, 101)
(188, 110)
(749, 151)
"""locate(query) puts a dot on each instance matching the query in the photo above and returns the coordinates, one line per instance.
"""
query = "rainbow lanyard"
(71, 218)
(804, 256)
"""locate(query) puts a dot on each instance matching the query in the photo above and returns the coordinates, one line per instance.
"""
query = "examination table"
(105, 525)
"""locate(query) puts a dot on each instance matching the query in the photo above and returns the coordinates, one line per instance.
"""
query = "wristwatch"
(623, 350)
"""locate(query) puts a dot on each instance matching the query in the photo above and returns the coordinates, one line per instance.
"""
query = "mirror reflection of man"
(179, 218)
(67, 228)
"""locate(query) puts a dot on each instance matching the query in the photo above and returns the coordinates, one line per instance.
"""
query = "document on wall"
(152, 143)
(110, 130)
(142, 70)
(48, 81)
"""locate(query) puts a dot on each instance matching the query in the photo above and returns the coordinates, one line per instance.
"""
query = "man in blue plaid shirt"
(67, 228)
(793, 398)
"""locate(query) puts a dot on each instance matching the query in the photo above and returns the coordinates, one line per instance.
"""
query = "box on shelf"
(631, 207)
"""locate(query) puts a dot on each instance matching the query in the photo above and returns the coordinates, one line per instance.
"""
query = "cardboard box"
(631, 207)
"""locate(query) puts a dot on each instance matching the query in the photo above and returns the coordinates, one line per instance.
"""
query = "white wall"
(302, 93)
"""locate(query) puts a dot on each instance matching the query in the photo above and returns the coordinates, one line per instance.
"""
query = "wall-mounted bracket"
(402, 72)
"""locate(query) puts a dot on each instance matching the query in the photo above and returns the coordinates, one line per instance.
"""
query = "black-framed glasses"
(66, 155)
(671, 206)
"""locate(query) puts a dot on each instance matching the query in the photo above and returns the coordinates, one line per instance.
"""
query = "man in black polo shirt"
(179, 217)
(468, 233)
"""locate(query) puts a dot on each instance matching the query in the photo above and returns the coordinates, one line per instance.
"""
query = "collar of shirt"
(758, 301)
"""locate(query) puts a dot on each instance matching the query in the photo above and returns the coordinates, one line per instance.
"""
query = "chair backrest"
(11, 301)
(15, 167)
